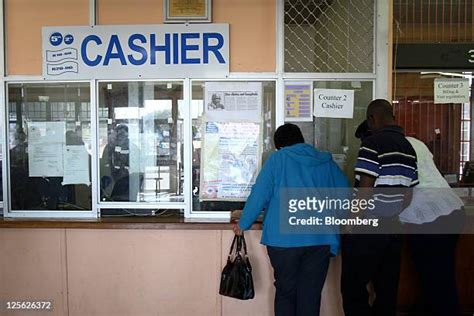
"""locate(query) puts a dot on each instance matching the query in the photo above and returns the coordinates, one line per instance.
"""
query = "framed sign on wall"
(182, 11)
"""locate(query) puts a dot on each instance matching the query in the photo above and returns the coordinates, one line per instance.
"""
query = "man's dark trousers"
(367, 258)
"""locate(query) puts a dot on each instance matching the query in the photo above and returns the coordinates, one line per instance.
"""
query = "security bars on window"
(329, 36)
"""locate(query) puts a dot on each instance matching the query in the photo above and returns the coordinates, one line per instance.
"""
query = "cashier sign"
(135, 51)
(333, 103)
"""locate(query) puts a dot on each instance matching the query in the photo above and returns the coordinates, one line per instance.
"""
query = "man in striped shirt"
(386, 167)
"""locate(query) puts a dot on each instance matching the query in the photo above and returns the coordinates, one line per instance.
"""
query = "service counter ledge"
(164, 266)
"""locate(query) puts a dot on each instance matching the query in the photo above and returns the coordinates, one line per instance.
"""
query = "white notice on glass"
(231, 101)
(76, 165)
(45, 160)
(334, 103)
(46, 132)
(449, 90)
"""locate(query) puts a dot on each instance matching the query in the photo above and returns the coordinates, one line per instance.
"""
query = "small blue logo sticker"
(56, 39)
(68, 39)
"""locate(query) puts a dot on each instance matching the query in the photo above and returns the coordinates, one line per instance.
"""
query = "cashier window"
(49, 146)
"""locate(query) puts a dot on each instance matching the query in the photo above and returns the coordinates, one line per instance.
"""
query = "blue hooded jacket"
(296, 166)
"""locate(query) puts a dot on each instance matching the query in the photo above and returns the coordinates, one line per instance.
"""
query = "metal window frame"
(135, 205)
(379, 77)
(7, 211)
(235, 77)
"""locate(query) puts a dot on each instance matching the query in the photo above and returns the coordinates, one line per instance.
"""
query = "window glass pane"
(236, 155)
(329, 36)
(141, 141)
(49, 146)
(336, 135)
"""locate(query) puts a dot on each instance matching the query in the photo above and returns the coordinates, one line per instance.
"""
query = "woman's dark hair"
(287, 135)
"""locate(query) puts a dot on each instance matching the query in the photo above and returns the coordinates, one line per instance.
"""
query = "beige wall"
(24, 19)
(116, 12)
(136, 272)
(252, 33)
(252, 27)
(33, 267)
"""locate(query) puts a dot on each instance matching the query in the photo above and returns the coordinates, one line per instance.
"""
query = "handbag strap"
(244, 243)
(233, 244)
(240, 242)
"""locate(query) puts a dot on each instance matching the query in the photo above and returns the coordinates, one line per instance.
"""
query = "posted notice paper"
(45, 148)
(45, 160)
(334, 103)
(451, 90)
(298, 101)
(76, 165)
(231, 101)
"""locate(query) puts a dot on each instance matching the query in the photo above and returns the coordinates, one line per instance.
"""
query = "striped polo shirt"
(388, 157)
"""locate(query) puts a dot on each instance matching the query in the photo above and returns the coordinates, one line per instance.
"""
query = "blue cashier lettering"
(177, 48)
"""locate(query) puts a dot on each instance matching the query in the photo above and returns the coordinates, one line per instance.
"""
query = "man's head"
(363, 131)
(287, 135)
(379, 114)
(121, 134)
(216, 99)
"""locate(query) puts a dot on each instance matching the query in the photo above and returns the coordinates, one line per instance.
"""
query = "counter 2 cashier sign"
(334, 103)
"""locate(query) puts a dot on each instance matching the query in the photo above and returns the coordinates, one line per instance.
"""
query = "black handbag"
(236, 277)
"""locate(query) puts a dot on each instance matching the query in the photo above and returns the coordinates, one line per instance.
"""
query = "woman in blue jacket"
(300, 260)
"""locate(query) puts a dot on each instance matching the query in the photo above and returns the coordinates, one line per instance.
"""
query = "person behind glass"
(432, 244)
(300, 261)
(116, 161)
(386, 160)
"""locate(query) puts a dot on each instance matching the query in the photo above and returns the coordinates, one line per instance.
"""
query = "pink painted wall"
(252, 27)
(23, 23)
(33, 267)
(136, 272)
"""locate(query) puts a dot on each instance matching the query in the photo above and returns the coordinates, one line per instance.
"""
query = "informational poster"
(334, 103)
(76, 165)
(45, 148)
(45, 160)
(233, 101)
(454, 90)
(298, 101)
(231, 160)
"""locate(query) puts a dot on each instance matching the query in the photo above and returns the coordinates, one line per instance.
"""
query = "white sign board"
(334, 103)
(451, 90)
(136, 51)
(233, 101)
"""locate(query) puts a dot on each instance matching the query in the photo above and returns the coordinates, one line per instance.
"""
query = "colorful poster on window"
(233, 101)
(298, 101)
(231, 159)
